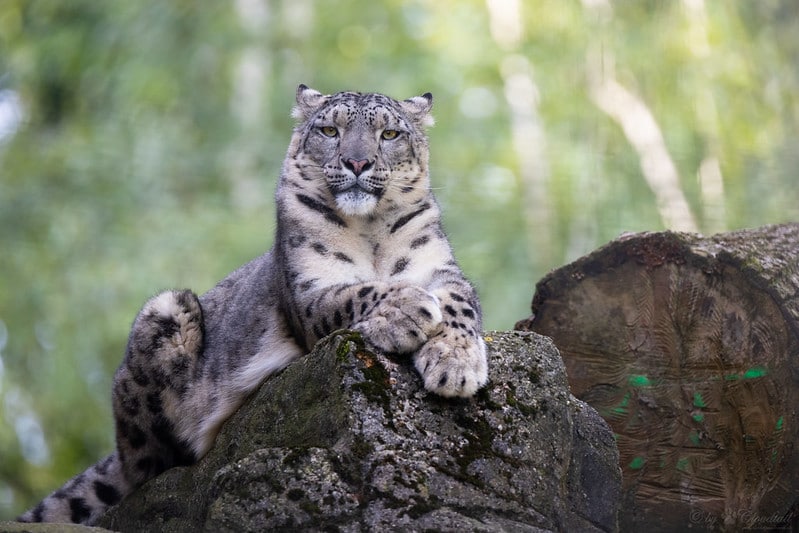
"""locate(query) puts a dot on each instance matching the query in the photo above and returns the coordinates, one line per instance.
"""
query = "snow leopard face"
(368, 149)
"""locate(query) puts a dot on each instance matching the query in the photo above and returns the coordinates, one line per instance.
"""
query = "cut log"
(688, 346)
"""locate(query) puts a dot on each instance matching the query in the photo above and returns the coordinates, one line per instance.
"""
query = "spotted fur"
(359, 245)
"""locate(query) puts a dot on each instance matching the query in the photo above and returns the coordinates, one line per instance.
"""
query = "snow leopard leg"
(160, 362)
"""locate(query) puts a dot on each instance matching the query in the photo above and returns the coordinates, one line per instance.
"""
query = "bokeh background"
(140, 144)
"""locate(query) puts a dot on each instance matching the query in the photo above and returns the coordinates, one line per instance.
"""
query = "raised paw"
(168, 326)
(403, 320)
(165, 341)
(458, 369)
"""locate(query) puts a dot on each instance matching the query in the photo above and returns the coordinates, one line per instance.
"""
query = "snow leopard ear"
(418, 109)
(308, 101)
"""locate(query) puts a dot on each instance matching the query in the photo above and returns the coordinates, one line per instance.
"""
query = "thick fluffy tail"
(165, 343)
(85, 497)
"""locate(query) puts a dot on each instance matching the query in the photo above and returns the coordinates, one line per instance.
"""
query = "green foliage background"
(151, 134)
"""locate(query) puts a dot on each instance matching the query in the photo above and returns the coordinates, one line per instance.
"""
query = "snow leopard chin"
(356, 202)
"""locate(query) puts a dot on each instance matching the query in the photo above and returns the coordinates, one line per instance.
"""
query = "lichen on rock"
(348, 440)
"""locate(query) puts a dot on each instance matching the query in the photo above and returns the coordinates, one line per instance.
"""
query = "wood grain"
(689, 348)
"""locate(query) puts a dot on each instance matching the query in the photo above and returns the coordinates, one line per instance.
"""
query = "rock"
(346, 440)
(17, 527)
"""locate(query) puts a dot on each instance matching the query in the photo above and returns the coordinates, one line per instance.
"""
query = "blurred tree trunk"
(527, 129)
(689, 347)
(640, 128)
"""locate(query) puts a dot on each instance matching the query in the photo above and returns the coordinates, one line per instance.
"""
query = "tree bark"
(688, 346)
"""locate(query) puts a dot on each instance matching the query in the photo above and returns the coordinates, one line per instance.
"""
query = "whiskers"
(404, 187)
(399, 181)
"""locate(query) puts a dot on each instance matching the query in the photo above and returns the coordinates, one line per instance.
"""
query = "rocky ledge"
(347, 440)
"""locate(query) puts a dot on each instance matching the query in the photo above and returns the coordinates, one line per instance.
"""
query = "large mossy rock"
(344, 439)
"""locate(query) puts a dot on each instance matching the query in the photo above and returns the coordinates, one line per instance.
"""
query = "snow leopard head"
(369, 150)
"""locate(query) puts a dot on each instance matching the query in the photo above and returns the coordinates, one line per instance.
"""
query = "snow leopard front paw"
(403, 320)
(458, 369)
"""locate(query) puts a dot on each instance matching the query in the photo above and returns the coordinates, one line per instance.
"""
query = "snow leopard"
(359, 245)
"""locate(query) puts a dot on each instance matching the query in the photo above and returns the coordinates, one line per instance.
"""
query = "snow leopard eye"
(389, 134)
(329, 131)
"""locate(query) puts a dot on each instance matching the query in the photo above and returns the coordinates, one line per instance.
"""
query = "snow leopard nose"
(357, 166)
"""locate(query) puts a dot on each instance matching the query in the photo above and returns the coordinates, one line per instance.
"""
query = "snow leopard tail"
(160, 361)
(85, 497)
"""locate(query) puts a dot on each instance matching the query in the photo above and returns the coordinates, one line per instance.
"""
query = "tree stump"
(688, 346)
